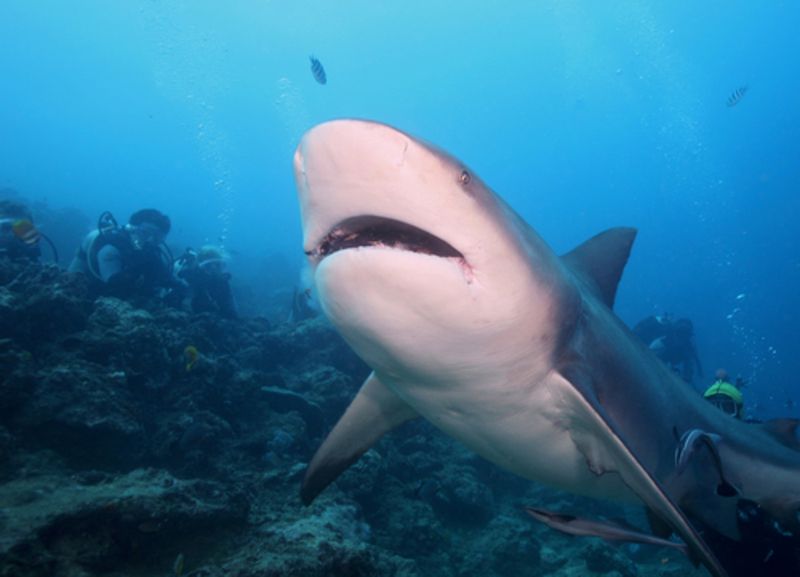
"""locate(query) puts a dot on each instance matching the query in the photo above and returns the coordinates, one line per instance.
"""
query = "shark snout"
(351, 171)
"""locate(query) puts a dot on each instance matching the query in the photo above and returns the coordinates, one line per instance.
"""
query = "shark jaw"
(381, 233)
(364, 231)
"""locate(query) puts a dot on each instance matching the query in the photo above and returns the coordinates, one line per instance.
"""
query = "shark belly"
(526, 431)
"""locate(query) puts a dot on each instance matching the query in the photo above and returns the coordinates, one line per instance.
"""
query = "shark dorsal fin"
(601, 260)
(784, 431)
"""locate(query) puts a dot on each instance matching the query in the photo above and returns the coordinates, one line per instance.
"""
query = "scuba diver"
(203, 273)
(301, 306)
(673, 342)
(726, 397)
(129, 261)
(19, 237)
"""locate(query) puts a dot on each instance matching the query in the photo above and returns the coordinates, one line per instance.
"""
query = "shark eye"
(464, 177)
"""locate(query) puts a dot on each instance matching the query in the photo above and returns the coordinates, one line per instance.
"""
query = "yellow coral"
(191, 354)
(178, 565)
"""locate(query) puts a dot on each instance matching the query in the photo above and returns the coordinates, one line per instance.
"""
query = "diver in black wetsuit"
(130, 261)
(673, 342)
(208, 284)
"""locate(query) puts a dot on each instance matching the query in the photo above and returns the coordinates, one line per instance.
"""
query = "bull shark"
(468, 319)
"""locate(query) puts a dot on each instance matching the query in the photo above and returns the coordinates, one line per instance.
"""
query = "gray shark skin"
(469, 320)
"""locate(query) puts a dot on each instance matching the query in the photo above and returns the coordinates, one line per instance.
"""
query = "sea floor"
(123, 454)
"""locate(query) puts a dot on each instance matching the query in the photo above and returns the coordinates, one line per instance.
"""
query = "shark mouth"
(375, 231)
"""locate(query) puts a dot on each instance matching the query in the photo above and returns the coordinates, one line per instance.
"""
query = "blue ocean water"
(582, 115)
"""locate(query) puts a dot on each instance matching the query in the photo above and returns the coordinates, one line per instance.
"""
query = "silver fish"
(604, 529)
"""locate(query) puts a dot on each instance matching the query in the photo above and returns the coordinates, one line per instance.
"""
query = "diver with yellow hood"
(726, 396)
(19, 237)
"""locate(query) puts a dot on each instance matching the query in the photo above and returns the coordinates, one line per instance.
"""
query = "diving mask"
(145, 235)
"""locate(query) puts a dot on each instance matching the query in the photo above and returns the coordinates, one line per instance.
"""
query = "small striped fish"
(736, 96)
(317, 70)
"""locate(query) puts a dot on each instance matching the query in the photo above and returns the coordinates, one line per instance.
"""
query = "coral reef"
(119, 457)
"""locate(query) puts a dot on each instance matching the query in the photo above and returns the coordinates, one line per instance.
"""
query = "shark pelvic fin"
(374, 411)
(601, 260)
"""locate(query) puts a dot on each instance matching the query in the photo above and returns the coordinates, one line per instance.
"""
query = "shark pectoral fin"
(373, 412)
(606, 450)
(601, 260)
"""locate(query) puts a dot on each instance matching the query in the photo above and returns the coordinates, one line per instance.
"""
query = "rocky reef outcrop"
(143, 440)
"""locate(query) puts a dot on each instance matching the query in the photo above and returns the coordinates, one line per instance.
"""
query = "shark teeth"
(369, 231)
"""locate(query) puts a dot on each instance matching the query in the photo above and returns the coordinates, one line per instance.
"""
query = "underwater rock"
(279, 446)
(340, 522)
(6, 443)
(551, 560)
(415, 530)
(192, 443)
(17, 379)
(416, 455)
(317, 343)
(7, 312)
(333, 541)
(602, 558)
(506, 544)
(325, 385)
(205, 431)
(363, 480)
(39, 303)
(462, 499)
(91, 477)
(283, 400)
(85, 413)
(110, 312)
(61, 527)
(126, 338)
